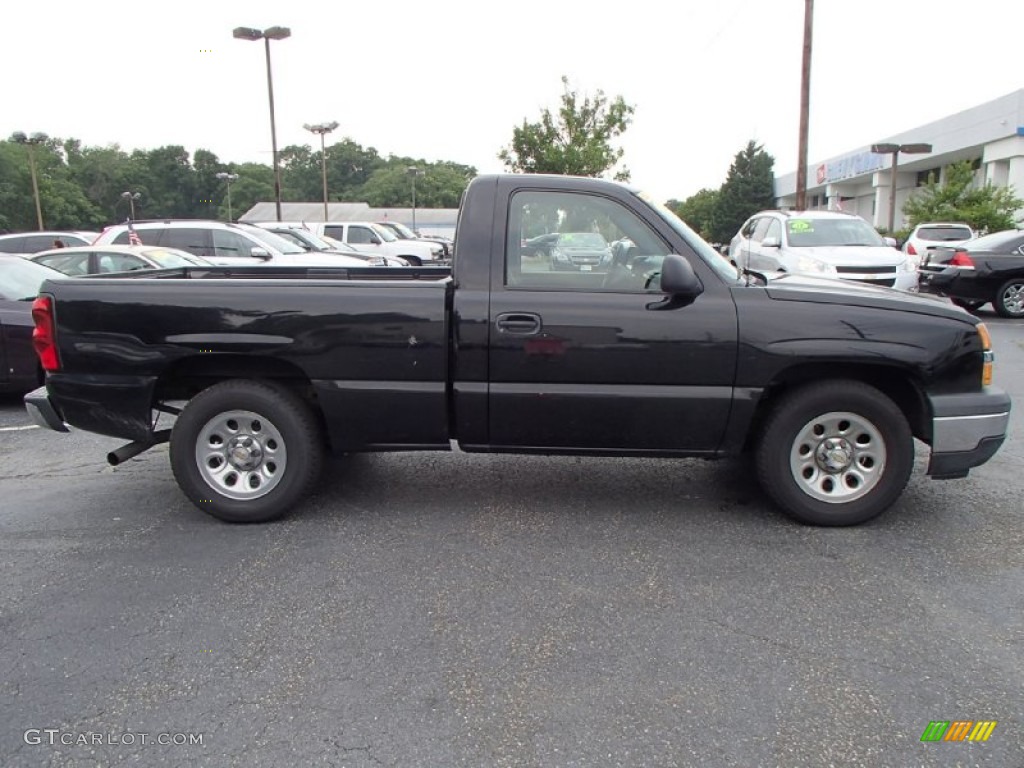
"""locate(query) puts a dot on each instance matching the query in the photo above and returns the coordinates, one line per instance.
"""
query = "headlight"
(559, 256)
(805, 264)
(436, 250)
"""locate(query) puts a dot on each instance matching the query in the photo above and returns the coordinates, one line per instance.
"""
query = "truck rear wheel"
(245, 451)
(835, 453)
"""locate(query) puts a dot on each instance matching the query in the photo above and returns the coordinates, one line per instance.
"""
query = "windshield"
(713, 259)
(20, 279)
(997, 240)
(317, 242)
(401, 230)
(944, 234)
(279, 244)
(852, 230)
(385, 234)
(581, 240)
(168, 259)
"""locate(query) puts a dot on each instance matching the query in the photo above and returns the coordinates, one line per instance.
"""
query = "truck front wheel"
(245, 451)
(835, 453)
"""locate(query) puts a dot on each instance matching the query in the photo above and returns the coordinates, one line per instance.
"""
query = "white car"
(927, 236)
(821, 243)
(368, 234)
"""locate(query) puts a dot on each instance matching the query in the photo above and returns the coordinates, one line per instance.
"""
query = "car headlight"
(436, 250)
(559, 256)
(806, 264)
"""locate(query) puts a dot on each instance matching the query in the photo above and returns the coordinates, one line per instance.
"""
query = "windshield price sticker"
(799, 226)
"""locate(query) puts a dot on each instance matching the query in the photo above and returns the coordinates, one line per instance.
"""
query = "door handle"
(518, 323)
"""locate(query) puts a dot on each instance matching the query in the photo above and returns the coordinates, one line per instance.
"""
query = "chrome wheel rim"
(241, 455)
(838, 457)
(1013, 299)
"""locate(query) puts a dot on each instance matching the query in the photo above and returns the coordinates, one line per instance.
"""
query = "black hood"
(824, 290)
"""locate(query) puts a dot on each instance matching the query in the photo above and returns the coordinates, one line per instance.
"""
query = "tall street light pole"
(894, 150)
(413, 172)
(268, 34)
(30, 143)
(228, 179)
(805, 102)
(322, 129)
(131, 197)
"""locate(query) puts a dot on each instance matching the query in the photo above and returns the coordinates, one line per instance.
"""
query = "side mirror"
(260, 253)
(891, 242)
(770, 242)
(678, 279)
(374, 240)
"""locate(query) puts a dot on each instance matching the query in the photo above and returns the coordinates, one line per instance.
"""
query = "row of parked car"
(27, 259)
(941, 258)
(190, 242)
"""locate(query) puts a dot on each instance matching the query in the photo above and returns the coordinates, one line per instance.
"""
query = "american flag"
(133, 236)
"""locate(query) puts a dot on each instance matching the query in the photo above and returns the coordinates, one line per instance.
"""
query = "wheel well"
(188, 377)
(898, 385)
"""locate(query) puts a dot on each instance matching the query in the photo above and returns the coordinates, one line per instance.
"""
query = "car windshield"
(316, 241)
(20, 279)
(581, 240)
(852, 230)
(169, 259)
(385, 234)
(714, 260)
(401, 230)
(338, 245)
(1006, 240)
(944, 234)
(279, 244)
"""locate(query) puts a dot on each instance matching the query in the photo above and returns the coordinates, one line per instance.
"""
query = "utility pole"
(805, 99)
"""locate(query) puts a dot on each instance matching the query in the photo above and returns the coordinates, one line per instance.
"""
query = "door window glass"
(567, 241)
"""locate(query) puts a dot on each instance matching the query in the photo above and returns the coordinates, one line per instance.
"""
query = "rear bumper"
(42, 411)
(967, 430)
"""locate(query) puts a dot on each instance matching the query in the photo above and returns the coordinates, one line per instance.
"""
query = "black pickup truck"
(658, 348)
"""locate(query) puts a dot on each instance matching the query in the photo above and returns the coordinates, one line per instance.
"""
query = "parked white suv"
(928, 236)
(225, 244)
(821, 243)
(361, 234)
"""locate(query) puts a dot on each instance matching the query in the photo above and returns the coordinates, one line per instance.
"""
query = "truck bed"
(354, 337)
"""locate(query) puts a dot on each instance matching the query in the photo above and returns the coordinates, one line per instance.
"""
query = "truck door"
(583, 352)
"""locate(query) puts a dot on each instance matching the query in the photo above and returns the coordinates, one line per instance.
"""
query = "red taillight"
(911, 250)
(43, 338)
(961, 259)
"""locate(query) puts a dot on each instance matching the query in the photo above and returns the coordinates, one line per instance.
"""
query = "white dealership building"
(990, 135)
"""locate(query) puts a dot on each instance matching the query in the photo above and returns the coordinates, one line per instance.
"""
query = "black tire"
(971, 305)
(803, 485)
(414, 261)
(275, 435)
(1009, 299)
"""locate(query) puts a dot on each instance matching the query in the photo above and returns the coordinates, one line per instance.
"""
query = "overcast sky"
(448, 80)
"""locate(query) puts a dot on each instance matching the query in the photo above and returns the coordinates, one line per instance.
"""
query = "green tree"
(439, 185)
(748, 188)
(698, 210)
(986, 208)
(577, 141)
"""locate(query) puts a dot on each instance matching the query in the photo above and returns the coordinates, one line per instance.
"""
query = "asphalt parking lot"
(460, 610)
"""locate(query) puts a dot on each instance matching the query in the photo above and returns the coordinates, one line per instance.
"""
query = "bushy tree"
(748, 188)
(698, 210)
(81, 187)
(985, 208)
(438, 185)
(576, 141)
